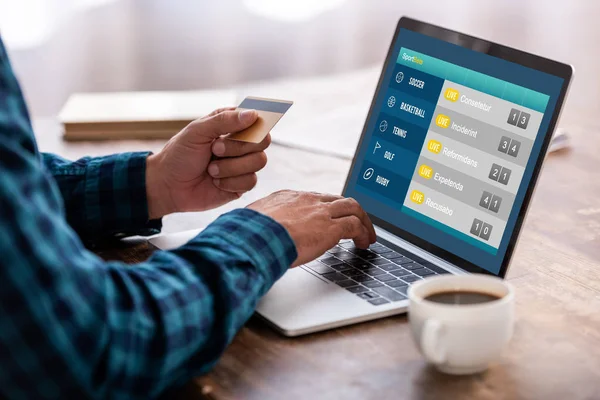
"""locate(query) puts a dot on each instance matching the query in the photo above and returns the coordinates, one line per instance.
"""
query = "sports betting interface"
(451, 145)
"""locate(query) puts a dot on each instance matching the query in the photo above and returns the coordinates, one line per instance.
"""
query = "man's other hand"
(185, 176)
(316, 222)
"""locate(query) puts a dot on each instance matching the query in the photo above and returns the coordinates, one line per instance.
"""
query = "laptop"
(445, 167)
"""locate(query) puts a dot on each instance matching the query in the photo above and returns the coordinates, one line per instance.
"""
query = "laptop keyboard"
(378, 275)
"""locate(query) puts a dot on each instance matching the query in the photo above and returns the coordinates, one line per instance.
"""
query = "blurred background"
(323, 54)
(64, 46)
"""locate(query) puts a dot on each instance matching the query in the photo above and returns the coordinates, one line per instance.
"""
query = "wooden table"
(555, 352)
(145, 45)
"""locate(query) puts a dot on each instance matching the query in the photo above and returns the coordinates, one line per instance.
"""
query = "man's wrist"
(156, 193)
(252, 235)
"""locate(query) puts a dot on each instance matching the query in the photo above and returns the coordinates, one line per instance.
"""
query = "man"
(74, 326)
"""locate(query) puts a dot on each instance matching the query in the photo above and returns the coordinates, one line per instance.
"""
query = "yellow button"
(434, 146)
(417, 197)
(443, 121)
(426, 171)
(451, 94)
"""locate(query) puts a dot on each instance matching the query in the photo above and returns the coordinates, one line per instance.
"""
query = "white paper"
(328, 112)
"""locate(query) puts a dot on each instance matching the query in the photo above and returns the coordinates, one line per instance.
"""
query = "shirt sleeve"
(74, 326)
(104, 196)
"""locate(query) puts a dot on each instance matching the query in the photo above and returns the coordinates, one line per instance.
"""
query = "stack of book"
(137, 115)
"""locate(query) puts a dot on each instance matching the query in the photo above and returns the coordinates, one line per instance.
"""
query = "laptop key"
(368, 257)
(356, 250)
(388, 293)
(396, 284)
(423, 272)
(315, 262)
(372, 284)
(379, 301)
(340, 267)
(402, 261)
(379, 261)
(402, 289)
(409, 279)
(346, 283)
(373, 271)
(393, 255)
(363, 278)
(347, 245)
(385, 278)
(319, 268)
(412, 266)
(329, 260)
(400, 272)
(376, 248)
(334, 276)
(345, 255)
(355, 262)
(368, 295)
(380, 250)
(352, 272)
(357, 289)
(389, 266)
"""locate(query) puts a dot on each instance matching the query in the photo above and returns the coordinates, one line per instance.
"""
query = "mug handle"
(430, 341)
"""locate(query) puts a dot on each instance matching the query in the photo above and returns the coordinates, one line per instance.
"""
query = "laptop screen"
(451, 145)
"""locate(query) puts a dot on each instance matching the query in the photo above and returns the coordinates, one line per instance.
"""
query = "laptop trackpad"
(300, 299)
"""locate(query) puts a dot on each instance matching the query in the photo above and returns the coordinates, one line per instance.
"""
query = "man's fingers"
(238, 184)
(351, 227)
(235, 148)
(348, 206)
(229, 167)
(224, 122)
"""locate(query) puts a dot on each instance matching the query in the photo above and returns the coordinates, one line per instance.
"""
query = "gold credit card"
(269, 112)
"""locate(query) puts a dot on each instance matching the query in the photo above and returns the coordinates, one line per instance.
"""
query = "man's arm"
(73, 326)
(104, 196)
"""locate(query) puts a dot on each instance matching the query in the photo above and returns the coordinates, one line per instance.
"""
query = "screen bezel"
(542, 64)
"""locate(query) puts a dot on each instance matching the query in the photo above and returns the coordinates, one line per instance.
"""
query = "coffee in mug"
(459, 297)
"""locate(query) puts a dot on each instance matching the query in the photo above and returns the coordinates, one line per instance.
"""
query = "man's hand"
(316, 222)
(185, 176)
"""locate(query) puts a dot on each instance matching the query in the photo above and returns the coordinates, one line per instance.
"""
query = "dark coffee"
(460, 297)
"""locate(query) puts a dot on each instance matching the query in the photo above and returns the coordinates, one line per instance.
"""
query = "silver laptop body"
(320, 295)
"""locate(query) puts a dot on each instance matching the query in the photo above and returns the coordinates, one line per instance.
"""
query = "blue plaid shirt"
(73, 326)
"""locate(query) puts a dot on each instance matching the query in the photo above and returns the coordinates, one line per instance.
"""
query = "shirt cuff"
(115, 196)
(255, 236)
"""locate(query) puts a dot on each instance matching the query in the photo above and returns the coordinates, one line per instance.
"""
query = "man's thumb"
(227, 122)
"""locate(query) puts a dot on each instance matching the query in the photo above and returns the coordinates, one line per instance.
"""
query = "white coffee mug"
(461, 339)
